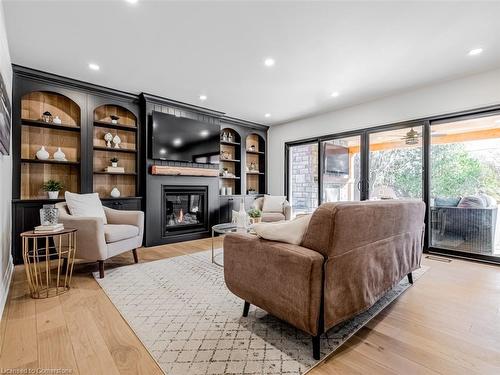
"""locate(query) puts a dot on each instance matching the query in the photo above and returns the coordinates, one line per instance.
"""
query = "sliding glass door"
(465, 185)
(341, 169)
(395, 163)
(303, 188)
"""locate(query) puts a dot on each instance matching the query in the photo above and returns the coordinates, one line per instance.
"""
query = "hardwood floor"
(447, 323)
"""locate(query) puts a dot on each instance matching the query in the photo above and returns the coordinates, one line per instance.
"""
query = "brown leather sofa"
(351, 255)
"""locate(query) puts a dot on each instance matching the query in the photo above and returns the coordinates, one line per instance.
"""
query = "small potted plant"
(114, 162)
(52, 187)
(255, 215)
(225, 171)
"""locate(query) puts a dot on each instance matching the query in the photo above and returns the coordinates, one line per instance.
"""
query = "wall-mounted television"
(183, 139)
(336, 159)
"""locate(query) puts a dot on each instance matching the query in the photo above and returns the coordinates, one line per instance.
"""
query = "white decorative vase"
(114, 164)
(115, 193)
(53, 194)
(59, 155)
(56, 120)
(42, 154)
(242, 220)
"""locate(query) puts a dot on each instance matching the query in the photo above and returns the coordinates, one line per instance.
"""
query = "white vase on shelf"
(42, 154)
(56, 120)
(53, 194)
(59, 155)
(115, 193)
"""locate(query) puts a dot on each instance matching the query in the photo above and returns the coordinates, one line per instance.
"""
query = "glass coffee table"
(224, 228)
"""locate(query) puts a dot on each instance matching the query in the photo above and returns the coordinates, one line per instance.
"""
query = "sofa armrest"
(283, 279)
(90, 242)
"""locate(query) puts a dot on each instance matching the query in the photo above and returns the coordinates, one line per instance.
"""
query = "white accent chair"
(97, 241)
(269, 217)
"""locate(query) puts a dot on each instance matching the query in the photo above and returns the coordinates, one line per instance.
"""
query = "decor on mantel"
(52, 187)
(115, 193)
(108, 137)
(42, 154)
(47, 117)
(56, 120)
(114, 119)
(59, 155)
(117, 141)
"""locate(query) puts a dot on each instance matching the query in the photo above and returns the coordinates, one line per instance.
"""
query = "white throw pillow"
(85, 205)
(290, 232)
(273, 203)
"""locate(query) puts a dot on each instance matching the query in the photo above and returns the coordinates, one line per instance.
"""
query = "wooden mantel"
(166, 170)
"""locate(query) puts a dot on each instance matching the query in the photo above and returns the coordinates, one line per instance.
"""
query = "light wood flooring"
(447, 323)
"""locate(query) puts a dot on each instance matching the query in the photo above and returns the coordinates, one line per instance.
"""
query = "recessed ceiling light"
(334, 94)
(203, 98)
(177, 142)
(267, 115)
(475, 51)
(204, 133)
(94, 66)
(269, 61)
(132, 1)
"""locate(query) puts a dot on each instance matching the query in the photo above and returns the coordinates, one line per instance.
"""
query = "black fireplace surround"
(184, 209)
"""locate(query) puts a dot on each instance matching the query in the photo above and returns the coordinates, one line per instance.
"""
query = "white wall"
(5, 177)
(462, 94)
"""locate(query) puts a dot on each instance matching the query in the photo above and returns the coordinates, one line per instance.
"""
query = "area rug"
(191, 323)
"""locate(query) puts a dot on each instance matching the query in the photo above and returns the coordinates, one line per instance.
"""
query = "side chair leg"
(246, 307)
(101, 269)
(136, 259)
(316, 346)
(410, 278)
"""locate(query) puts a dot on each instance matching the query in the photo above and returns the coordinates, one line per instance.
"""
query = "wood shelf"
(230, 160)
(49, 125)
(227, 143)
(105, 124)
(229, 177)
(256, 173)
(116, 174)
(255, 152)
(51, 161)
(111, 149)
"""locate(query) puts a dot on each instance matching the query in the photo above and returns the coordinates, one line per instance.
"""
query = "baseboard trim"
(5, 286)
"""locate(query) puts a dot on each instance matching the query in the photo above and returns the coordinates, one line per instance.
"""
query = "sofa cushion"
(287, 231)
(119, 232)
(85, 205)
(446, 201)
(273, 203)
(271, 217)
(472, 201)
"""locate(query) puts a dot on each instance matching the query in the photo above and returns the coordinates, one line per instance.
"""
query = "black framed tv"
(183, 139)
(336, 159)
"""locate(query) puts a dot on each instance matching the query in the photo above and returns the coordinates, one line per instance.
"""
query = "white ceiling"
(179, 50)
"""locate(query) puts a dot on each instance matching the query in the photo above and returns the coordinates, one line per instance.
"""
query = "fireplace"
(184, 209)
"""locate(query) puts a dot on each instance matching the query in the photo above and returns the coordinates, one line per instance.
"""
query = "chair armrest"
(90, 242)
(135, 218)
(283, 279)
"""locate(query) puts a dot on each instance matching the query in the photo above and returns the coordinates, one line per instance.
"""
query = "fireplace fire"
(184, 209)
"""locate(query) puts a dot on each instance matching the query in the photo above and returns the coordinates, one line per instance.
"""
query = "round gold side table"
(47, 277)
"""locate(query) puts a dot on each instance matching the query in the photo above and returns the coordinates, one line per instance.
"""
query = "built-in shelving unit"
(38, 130)
(255, 167)
(117, 121)
(230, 162)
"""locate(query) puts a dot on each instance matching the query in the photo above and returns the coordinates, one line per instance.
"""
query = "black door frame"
(426, 124)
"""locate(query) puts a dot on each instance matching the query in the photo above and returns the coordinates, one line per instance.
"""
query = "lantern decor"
(49, 215)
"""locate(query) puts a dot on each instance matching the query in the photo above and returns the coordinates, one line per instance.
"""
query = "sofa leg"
(410, 278)
(246, 307)
(101, 269)
(316, 346)
(136, 259)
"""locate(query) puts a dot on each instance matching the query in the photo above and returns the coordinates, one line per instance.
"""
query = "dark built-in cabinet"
(86, 113)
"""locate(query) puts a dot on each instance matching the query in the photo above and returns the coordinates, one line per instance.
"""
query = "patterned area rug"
(191, 323)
